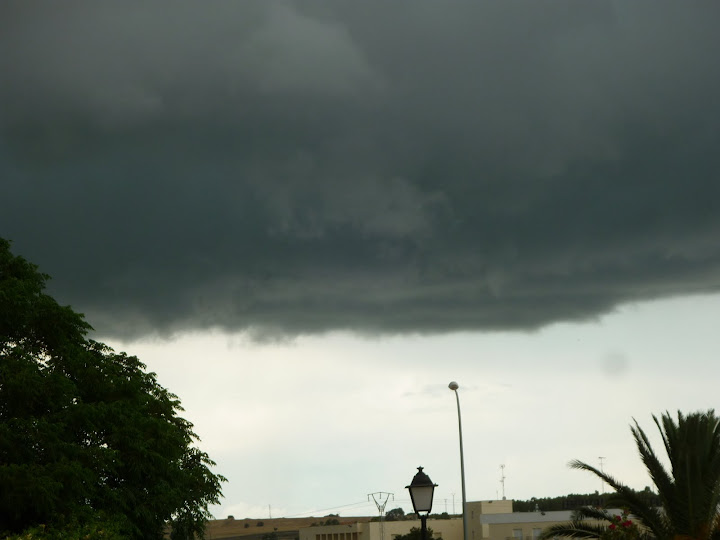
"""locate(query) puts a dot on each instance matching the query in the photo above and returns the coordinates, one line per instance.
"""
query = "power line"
(311, 512)
(360, 504)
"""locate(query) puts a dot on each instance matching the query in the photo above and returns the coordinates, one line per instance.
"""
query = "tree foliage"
(689, 491)
(329, 521)
(573, 501)
(98, 528)
(396, 514)
(414, 534)
(86, 434)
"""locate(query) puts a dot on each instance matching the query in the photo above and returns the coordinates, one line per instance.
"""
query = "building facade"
(447, 529)
(516, 525)
(487, 520)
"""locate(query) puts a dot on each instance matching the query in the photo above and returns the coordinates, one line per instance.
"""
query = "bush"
(96, 528)
(414, 534)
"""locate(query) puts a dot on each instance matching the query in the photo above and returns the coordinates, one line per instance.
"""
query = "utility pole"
(602, 483)
(380, 498)
(453, 495)
(502, 480)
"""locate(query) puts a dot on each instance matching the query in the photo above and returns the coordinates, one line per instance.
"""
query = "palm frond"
(693, 445)
(626, 497)
(592, 512)
(573, 529)
(689, 490)
(658, 474)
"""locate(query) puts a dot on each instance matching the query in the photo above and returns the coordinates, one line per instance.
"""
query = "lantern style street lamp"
(421, 492)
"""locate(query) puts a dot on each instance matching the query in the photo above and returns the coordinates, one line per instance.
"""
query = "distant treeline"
(398, 514)
(574, 501)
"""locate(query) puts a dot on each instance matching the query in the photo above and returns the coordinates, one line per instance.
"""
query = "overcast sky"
(308, 217)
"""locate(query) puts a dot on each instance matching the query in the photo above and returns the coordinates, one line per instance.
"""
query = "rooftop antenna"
(602, 483)
(502, 480)
(380, 498)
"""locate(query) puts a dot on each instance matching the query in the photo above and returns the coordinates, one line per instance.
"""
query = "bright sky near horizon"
(311, 425)
(309, 217)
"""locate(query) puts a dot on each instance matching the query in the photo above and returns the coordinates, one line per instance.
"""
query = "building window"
(536, 533)
(517, 534)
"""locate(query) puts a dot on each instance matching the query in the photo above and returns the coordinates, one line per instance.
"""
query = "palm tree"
(689, 490)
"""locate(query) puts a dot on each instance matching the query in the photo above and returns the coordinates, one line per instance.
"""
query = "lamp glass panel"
(422, 497)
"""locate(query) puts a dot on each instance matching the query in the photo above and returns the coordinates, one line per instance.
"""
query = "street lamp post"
(421, 493)
(454, 387)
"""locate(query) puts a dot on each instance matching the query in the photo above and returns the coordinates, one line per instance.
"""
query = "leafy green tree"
(689, 492)
(98, 528)
(414, 534)
(396, 514)
(86, 434)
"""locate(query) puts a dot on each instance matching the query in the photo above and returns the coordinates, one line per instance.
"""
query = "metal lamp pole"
(454, 387)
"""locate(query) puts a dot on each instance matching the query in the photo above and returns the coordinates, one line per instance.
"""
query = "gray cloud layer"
(389, 167)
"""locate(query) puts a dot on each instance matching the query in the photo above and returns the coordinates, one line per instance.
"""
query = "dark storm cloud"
(299, 167)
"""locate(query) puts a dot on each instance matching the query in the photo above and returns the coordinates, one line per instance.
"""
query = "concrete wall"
(476, 508)
(334, 532)
(487, 520)
(447, 529)
(519, 525)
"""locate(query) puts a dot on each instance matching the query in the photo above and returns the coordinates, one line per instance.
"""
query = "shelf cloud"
(287, 168)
